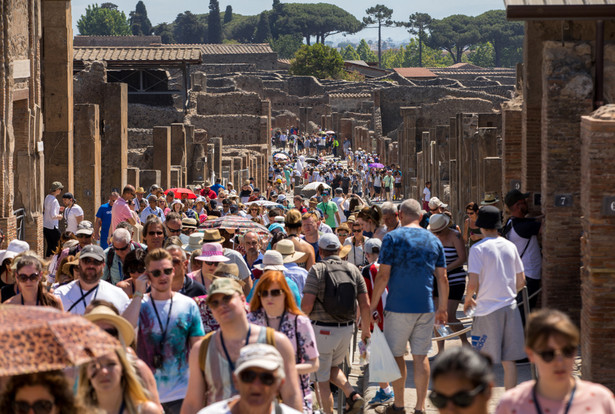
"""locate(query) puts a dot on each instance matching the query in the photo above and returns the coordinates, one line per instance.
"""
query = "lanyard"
(228, 358)
(122, 407)
(537, 404)
(281, 318)
(166, 327)
(24, 303)
(84, 296)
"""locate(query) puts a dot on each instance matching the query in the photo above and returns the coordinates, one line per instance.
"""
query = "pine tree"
(228, 14)
(213, 22)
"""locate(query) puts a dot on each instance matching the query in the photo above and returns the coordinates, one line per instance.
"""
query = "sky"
(161, 11)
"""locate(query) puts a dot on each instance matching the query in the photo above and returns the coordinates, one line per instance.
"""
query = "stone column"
(115, 143)
(512, 118)
(346, 127)
(407, 149)
(217, 155)
(598, 220)
(304, 118)
(567, 95)
(487, 147)
(453, 171)
(190, 149)
(88, 158)
(132, 175)
(466, 158)
(162, 154)
(57, 69)
(178, 150)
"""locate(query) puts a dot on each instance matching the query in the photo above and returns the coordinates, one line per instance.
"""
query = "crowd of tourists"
(242, 300)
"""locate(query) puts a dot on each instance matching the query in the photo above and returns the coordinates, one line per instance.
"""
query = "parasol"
(375, 165)
(329, 132)
(37, 339)
(236, 223)
(179, 192)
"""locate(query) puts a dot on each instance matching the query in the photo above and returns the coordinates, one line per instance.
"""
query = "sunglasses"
(158, 272)
(121, 249)
(24, 278)
(174, 230)
(548, 355)
(215, 303)
(342, 234)
(38, 406)
(212, 263)
(155, 233)
(248, 376)
(356, 230)
(461, 399)
(139, 270)
(273, 292)
(471, 213)
(83, 236)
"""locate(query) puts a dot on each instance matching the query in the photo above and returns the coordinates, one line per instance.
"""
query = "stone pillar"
(408, 150)
(346, 127)
(304, 118)
(455, 204)
(178, 151)
(149, 177)
(115, 143)
(466, 158)
(266, 124)
(487, 147)
(88, 158)
(57, 68)
(567, 95)
(598, 220)
(217, 155)
(162, 154)
(512, 118)
(132, 177)
(190, 149)
(176, 176)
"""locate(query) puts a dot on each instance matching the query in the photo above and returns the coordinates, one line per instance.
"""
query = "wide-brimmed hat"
(345, 250)
(195, 241)
(438, 222)
(140, 190)
(287, 250)
(489, 217)
(104, 314)
(85, 227)
(490, 199)
(212, 236)
(262, 356)
(66, 266)
(435, 202)
(189, 223)
(229, 270)
(272, 260)
(212, 252)
(14, 248)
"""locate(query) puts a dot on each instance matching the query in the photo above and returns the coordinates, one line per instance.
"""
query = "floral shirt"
(301, 334)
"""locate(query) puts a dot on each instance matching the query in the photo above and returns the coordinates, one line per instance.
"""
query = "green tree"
(318, 60)
(214, 27)
(241, 29)
(228, 14)
(103, 20)
(483, 54)
(350, 53)
(455, 34)
(165, 31)
(139, 22)
(500, 33)
(188, 29)
(286, 45)
(365, 53)
(263, 30)
(381, 15)
(418, 25)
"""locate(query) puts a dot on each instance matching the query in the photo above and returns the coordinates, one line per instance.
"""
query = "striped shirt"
(456, 276)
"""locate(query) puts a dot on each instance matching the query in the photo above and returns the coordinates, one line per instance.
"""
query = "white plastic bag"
(382, 365)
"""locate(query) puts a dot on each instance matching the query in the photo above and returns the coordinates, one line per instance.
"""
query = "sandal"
(354, 405)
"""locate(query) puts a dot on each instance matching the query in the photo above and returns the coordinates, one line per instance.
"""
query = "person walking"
(52, 213)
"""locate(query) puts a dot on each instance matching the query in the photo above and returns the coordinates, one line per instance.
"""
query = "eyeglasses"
(24, 278)
(121, 249)
(174, 230)
(38, 406)
(91, 260)
(548, 355)
(470, 213)
(273, 292)
(176, 262)
(342, 234)
(224, 300)
(158, 272)
(83, 236)
(155, 233)
(212, 263)
(460, 399)
(248, 376)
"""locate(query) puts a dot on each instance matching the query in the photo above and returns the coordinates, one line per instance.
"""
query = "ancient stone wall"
(229, 103)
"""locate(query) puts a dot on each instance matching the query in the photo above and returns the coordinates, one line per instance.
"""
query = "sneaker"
(381, 397)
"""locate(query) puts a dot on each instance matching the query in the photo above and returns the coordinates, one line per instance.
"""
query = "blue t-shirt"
(413, 255)
(104, 214)
(185, 322)
(217, 187)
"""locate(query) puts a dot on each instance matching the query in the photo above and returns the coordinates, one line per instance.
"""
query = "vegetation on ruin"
(318, 60)
(102, 20)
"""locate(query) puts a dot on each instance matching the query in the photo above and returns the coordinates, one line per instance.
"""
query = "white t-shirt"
(497, 262)
(426, 194)
(70, 215)
(71, 293)
(222, 407)
(377, 181)
(51, 209)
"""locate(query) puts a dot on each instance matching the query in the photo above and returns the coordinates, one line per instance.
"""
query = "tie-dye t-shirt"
(413, 254)
(185, 322)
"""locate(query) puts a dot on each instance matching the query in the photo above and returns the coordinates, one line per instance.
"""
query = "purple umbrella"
(376, 165)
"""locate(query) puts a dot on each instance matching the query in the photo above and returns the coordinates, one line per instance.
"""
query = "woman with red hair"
(273, 305)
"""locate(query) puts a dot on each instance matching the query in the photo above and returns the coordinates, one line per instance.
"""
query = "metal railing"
(21, 224)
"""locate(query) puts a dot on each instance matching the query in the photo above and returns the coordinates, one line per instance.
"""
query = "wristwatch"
(137, 293)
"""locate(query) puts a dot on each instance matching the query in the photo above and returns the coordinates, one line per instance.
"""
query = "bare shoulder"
(14, 300)
(149, 407)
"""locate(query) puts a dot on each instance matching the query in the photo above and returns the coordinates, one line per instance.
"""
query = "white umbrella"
(264, 203)
(329, 132)
(280, 156)
(314, 185)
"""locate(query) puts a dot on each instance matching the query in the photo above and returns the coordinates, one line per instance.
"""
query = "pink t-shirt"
(119, 212)
(588, 398)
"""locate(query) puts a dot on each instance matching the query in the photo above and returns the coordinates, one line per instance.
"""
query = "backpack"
(340, 297)
(111, 253)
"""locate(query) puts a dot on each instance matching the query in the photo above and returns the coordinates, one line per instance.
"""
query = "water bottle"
(470, 312)
(443, 330)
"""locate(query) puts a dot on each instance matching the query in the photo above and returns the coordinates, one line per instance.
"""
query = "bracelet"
(137, 294)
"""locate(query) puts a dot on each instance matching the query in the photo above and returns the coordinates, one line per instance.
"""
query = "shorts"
(455, 292)
(376, 190)
(499, 334)
(397, 185)
(333, 345)
(399, 328)
(387, 189)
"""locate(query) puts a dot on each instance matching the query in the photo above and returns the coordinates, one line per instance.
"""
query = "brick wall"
(511, 146)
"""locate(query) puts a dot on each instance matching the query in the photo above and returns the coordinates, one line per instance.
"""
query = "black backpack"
(340, 296)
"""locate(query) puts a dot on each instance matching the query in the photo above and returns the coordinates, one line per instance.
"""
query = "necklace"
(275, 318)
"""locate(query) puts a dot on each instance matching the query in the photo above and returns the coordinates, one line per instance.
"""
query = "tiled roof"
(236, 49)
(350, 95)
(80, 40)
(415, 72)
(560, 9)
(464, 65)
(188, 54)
